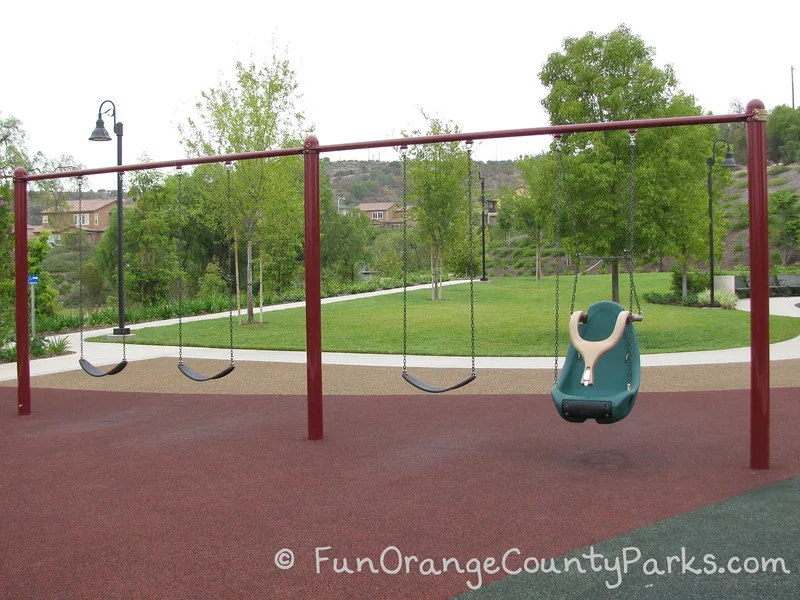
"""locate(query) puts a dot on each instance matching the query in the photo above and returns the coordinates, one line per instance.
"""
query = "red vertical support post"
(21, 291)
(313, 289)
(759, 285)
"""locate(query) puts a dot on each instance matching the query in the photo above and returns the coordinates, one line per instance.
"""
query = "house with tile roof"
(94, 218)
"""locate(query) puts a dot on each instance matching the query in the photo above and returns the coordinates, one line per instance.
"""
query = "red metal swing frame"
(754, 116)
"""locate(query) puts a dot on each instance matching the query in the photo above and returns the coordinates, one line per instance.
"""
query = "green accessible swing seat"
(602, 369)
(602, 381)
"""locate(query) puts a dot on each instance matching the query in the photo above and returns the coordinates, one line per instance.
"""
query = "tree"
(12, 145)
(151, 260)
(784, 223)
(13, 153)
(736, 134)
(783, 134)
(344, 237)
(6, 263)
(613, 77)
(437, 176)
(46, 291)
(532, 211)
(670, 193)
(256, 112)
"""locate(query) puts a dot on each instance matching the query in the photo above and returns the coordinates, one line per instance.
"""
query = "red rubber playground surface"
(130, 495)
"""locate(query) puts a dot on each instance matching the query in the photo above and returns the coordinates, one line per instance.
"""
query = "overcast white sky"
(363, 67)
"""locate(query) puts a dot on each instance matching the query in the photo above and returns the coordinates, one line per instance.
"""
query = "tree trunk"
(436, 272)
(250, 312)
(260, 284)
(538, 258)
(684, 280)
(433, 275)
(615, 281)
(236, 267)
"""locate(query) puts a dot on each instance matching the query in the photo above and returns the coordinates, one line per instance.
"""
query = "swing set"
(601, 372)
(192, 374)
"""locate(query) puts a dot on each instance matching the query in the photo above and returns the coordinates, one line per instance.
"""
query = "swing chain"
(80, 256)
(471, 256)
(180, 265)
(404, 154)
(574, 235)
(629, 256)
(559, 167)
(228, 168)
(631, 205)
(120, 177)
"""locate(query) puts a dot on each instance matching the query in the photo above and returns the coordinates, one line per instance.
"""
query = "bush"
(690, 300)
(658, 298)
(726, 299)
(212, 283)
(778, 181)
(695, 282)
(704, 297)
(778, 170)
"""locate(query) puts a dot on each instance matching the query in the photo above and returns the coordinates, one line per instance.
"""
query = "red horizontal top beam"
(410, 141)
(535, 131)
(165, 164)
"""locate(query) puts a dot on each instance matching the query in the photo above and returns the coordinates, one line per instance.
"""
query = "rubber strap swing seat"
(183, 367)
(417, 383)
(88, 367)
(425, 387)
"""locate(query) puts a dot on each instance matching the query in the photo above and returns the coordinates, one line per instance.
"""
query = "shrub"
(690, 300)
(726, 299)
(695, 282)
(778, 181)
(778, 170)
(212, 283)
(704, 297)
(57, 345)
(658, 298)
(8, 355)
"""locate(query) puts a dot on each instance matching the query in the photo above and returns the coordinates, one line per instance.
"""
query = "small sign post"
(33, 280)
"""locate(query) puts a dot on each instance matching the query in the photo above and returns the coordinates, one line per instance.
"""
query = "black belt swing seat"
(87, 366)
(182, 366)
(417, 383)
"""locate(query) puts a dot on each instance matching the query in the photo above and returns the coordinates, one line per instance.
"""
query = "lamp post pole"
(101, 135)
(483, 227)
(728, 162)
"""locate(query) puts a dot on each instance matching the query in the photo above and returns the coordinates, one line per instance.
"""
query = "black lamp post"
(100, 134)
(728, 162)
(483, 227)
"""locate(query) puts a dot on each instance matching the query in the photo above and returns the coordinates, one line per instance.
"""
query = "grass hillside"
(734, 202)
(360, 181)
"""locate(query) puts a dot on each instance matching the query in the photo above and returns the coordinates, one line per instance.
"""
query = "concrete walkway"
(103, 354)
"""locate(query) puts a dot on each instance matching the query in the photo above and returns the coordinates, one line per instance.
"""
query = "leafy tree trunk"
(684, 280)
(436, 277)
(260, 284)
(538, 258)
(615, 280)
(250, 311)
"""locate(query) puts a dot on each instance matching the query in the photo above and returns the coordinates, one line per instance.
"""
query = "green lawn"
(513, 317)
